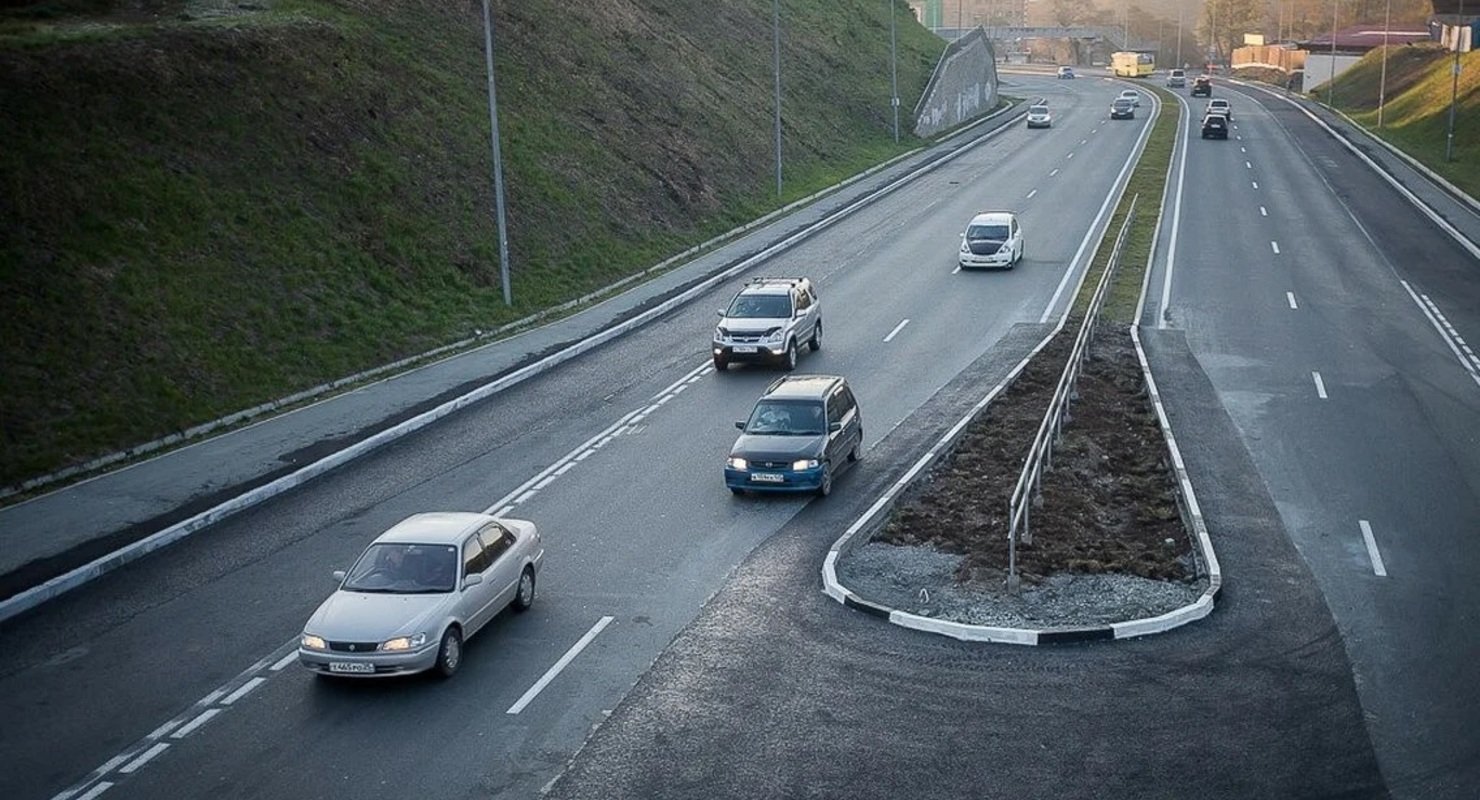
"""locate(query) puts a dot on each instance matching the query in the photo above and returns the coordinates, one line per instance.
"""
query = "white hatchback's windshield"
(996, 233)
(404, 569)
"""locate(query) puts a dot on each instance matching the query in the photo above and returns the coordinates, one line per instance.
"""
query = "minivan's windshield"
(394, 568)
(787, 418)
(760, 306)
(995, 233)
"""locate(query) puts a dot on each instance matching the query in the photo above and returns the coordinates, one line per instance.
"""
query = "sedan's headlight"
(806, 463)
(404, 642)
(311, 642)
(735, 462)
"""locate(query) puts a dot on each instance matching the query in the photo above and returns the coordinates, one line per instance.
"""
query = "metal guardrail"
(1050, 431)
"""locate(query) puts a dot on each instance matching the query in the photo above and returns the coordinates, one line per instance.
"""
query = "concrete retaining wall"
(964, 85)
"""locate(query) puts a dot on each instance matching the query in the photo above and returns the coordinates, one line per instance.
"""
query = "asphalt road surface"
(172, 677)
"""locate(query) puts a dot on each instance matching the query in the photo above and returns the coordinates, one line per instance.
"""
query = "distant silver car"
(419, 591)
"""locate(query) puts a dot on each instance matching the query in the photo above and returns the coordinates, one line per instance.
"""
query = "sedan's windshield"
(760, 306)
(995, 233)
(786, 418)
(1038, 110)
(404, 569)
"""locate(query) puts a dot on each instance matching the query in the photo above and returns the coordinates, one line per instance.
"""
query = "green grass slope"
(1420, 83)
(207, 204)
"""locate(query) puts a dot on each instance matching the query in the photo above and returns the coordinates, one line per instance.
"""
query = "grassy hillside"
(1416, 117)
(209, 204)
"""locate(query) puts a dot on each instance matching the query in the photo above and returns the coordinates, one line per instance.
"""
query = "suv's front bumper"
(748, 352)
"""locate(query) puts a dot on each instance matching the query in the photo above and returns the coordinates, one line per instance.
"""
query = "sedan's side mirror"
(472, 580)
(740, 424)
(719, 312)
(339, 576)
(834, 427)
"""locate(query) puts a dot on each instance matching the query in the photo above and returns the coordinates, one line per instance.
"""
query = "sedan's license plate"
(350, 666)
(767, 477)
(746, 348)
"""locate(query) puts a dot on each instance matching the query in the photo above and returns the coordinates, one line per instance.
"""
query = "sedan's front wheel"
(449, 655)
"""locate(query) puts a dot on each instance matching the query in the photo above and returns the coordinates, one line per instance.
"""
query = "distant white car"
(1177, 78)
(1066, 73)
(1039, 117)
(418, 592)
(1219, 106)
(1131, 95)
(991, 239)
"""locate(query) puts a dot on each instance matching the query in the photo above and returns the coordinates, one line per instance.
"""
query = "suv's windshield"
(787, 418)
(404, 569)
(760, 306)
(997, 233)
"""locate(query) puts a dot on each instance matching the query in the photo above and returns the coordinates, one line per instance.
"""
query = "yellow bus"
(1129, 64)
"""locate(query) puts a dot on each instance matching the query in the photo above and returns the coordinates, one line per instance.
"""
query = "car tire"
(816, 343)
(524, 595)
(853, 454)
(790, 362)
(449, 653)
(721, 364)
(825, 488)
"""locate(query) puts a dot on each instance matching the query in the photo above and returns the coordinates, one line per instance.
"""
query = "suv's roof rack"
(775, 279)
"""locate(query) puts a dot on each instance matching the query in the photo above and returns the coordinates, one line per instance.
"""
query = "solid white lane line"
(1030, 194)
(1377, 565)
(1291, 297)
(290, 658)
(585, 454)
(521, 499)
(242, 692)
(1263, 212)
(1256, 184)
(1320, 385)
(1166, 285)
(1470, 364)
(192, 725)
(546, 481)
(1275, 246)
(560, 665)
(95, 791)
(159, 733)
(567, 468)
(214, 695)
(1055, 172)
(897, 329)
(144, 758)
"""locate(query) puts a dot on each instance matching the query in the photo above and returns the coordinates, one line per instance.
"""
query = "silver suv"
(769, 320)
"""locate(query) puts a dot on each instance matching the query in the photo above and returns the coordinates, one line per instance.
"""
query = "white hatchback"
(991, 239)
(1131, 95)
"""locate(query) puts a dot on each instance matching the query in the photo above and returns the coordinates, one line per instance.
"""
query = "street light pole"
(893, 70)
(498, 161)
(1454, 90)
(1331, 90)
(1178, 62)
(1387, 23)
(776, 66)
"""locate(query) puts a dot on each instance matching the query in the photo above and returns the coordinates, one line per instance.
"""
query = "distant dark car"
(1202, 86)
(1123, 108)
(1215, 126)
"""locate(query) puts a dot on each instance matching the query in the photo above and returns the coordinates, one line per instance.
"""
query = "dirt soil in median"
(1109, 505)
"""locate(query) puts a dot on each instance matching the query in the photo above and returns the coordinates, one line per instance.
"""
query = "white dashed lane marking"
(144, 758)
(1263, 212)
(1055, 172)
(1378, 568)
(897, 329)
(1275, 246)
(1320, 385)
(552, 672)
(1290, 296)
(1030, 194)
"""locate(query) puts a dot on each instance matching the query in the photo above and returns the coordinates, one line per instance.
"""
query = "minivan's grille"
(354, 647)
(770, 465)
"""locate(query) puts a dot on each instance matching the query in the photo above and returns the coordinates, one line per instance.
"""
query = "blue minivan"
(802, 431)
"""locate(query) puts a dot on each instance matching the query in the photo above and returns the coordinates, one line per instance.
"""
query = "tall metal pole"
(960, 16)
(498, 161)
(1178, 62)
(893, 70)
(1331, 90)
(1382, 82)
(776, 65)
(1454, 90)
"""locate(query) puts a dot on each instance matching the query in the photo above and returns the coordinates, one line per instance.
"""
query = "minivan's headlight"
(312, 642)
(735, 462)
(806, 463)
(965, 248)
(404, 642)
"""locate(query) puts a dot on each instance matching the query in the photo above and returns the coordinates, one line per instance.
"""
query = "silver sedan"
(419, 591)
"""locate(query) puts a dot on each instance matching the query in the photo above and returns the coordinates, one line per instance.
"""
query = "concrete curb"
(1423, 207)
(1191, 512)
(61, 584)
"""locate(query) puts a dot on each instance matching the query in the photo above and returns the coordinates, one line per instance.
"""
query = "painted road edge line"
(559, 666)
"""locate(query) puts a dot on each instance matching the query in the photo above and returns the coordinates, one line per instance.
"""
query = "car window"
(1038, 109)
(496, 541)
(396, 568)
(474, 559)
(760, 306)
(786, 418)
(995, 232)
